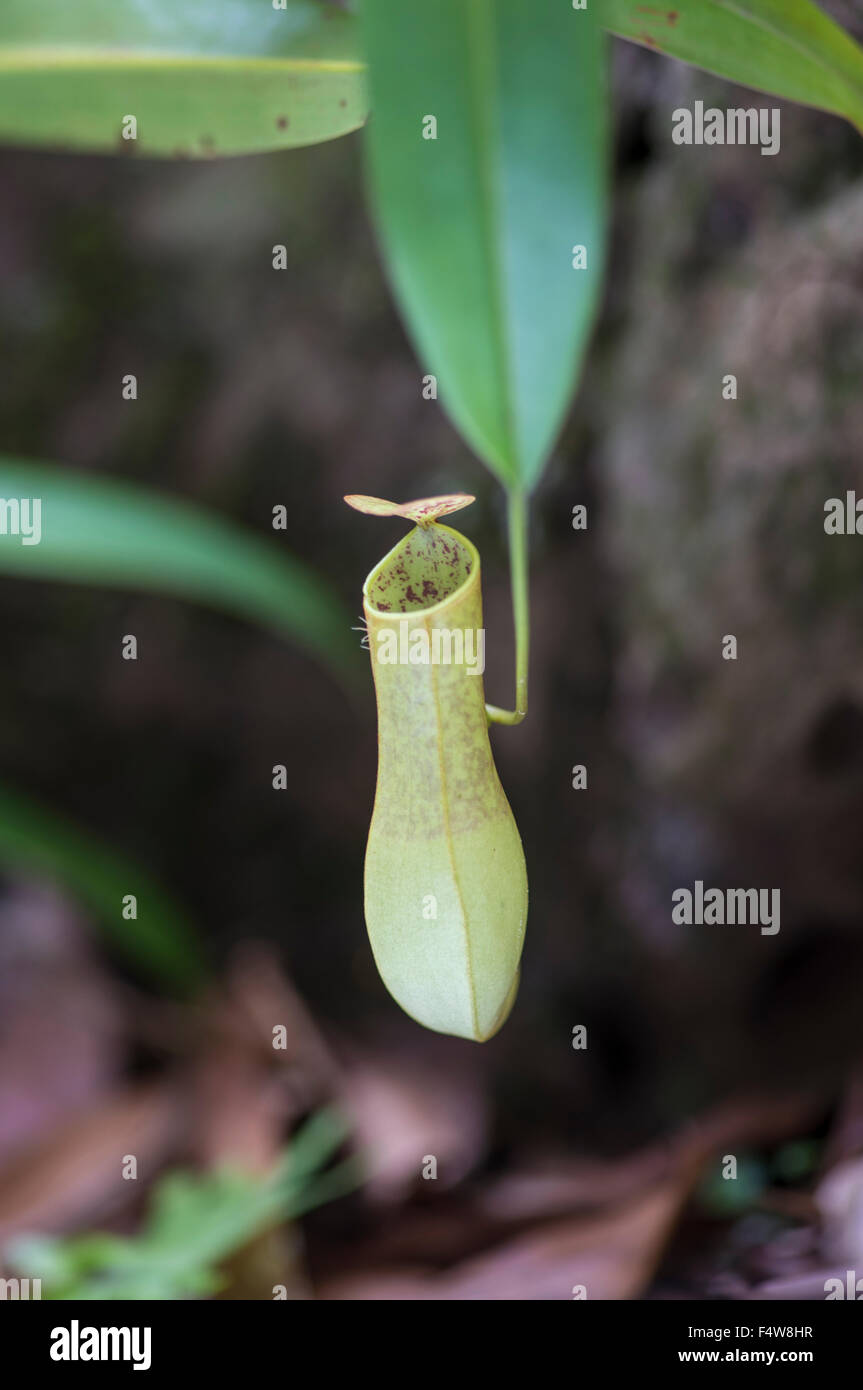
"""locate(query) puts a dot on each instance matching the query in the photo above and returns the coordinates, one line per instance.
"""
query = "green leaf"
(478, 226)
(33, 840)
(196, 1220)
(96, 530)
(789, 48)
(201, 77)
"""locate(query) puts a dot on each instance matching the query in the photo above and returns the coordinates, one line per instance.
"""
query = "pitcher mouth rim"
(422, 611)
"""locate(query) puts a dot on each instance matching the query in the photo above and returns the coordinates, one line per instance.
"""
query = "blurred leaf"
(613, 1253)
(201, 77)
(195, 1222)
(478, 225)
(96, 530)
(787, 47)
(160, 940)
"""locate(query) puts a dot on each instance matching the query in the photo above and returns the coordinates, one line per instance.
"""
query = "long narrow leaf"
(195, 1221)
(200, 77)
(95, 530)
(787, 47)
(478, 224)
(33, 840)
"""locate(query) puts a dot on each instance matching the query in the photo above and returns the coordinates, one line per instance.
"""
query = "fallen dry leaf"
(405, 1109)
(610, 1257)
(74, 1175)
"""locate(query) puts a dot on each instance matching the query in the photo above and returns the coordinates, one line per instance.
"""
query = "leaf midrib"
(30, 58)
(480, 44)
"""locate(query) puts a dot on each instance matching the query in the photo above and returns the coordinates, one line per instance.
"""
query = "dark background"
(705, 517)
